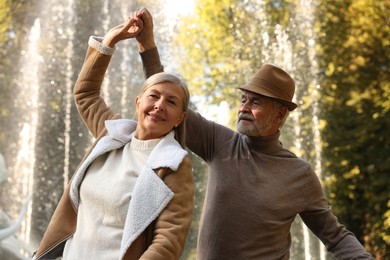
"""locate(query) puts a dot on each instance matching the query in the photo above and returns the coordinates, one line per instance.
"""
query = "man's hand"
(145, 39)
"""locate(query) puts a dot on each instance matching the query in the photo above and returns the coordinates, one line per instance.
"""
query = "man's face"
(258, 115)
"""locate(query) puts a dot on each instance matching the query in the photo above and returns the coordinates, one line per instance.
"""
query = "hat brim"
(261, 91)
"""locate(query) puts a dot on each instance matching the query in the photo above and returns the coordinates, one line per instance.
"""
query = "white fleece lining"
(96, 43)
(105, 144)
(152, 197)
(167, 153)
(119, 134)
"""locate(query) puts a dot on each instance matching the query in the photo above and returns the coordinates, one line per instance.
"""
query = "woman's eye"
(172, 102)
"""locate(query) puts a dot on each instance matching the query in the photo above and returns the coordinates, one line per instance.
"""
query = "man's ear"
(282, 111)
(282, 114)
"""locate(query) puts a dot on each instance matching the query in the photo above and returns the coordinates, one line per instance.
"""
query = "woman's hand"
(129, 29)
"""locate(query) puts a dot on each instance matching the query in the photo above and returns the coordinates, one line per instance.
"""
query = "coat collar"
(121, 129)
(167, 153)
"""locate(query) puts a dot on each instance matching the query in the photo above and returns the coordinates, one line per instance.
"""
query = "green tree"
(225, 42)
(354, 39)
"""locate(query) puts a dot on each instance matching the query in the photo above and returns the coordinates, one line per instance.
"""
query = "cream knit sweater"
(104, 201)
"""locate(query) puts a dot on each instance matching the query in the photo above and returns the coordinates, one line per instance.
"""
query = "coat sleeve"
(173, 224)
(92, 108)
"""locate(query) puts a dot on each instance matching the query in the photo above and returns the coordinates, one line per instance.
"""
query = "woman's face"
(159, 110)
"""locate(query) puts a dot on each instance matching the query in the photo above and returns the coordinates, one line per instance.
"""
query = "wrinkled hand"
(129, 29)
(145, 39)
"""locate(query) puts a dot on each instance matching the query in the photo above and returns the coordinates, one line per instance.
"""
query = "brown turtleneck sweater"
(255, 189)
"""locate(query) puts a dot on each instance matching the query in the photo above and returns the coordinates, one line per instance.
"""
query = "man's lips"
(243, 117)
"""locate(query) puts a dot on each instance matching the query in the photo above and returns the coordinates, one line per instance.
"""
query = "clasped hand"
(129, 29)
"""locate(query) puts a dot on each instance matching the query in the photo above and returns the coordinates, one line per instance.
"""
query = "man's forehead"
(253, 95)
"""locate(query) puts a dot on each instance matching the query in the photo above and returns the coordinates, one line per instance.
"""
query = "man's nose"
(245, 106)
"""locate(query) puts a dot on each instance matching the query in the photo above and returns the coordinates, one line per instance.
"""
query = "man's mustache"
(245, 116)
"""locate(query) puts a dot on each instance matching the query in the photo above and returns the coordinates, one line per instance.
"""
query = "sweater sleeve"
(319, 218)
(205, 137)
(151, 62)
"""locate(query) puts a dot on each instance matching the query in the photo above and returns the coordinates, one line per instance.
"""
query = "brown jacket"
(164, 238)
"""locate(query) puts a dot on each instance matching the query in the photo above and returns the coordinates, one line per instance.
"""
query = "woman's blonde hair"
(180, 130)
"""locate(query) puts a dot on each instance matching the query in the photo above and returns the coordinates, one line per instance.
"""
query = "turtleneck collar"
(268, 144)
(142, 145)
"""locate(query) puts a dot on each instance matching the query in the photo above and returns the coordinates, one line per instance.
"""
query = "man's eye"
(153, 96)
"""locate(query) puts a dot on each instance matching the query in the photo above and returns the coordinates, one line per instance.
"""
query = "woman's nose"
(159, 105)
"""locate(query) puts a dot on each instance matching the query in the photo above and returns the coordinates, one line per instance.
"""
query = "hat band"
(276, 91)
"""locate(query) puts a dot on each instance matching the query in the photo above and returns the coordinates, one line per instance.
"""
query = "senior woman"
(132, 195)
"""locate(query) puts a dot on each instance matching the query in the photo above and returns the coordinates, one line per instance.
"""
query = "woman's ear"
(181, 119)
(137, 100)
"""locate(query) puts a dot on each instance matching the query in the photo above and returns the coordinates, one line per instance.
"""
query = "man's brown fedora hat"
(272, 81)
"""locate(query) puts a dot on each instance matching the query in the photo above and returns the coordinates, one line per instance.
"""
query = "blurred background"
(337, 51)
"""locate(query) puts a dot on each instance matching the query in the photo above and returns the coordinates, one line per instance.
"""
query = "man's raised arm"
(147, 46)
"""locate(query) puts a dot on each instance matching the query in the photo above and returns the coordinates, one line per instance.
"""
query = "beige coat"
(165, 236)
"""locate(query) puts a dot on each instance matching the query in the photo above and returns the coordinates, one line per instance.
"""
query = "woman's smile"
(156, 117)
